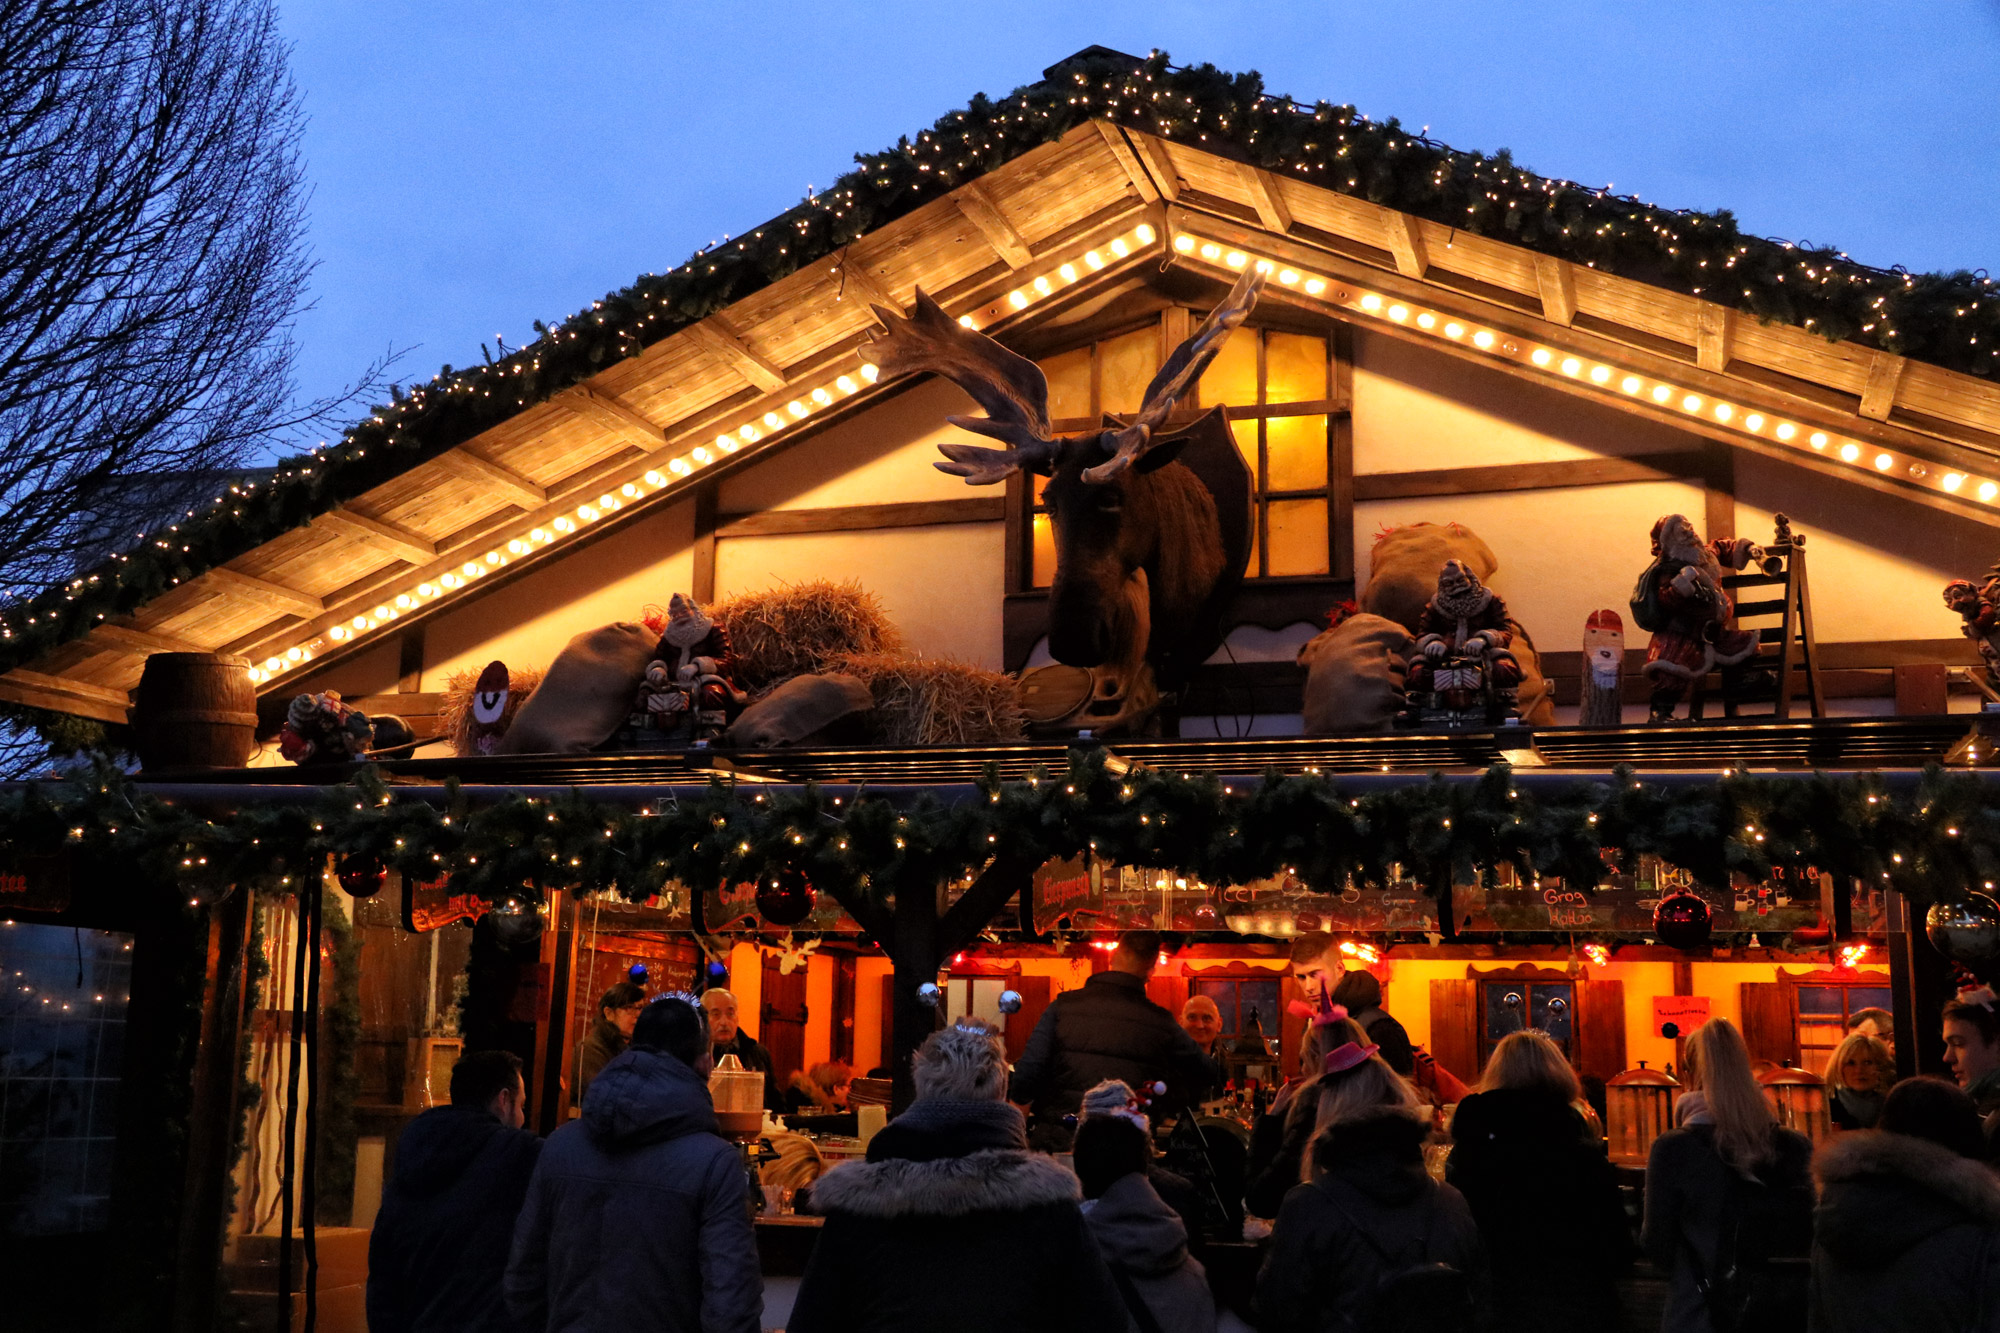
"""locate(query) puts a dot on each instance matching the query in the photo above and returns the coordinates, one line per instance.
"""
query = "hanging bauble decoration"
(516, 918)
(637, 974)
(1682, 920)
(361, 875)
(1206, 917)
(1966, 932)
(785, 897)
(929, 995)
(1010, 1002)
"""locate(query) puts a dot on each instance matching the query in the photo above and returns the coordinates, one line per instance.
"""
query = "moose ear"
(1161, 454)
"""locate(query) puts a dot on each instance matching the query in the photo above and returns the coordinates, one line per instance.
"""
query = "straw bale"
(936, 700)
(800, 628)
(455, 722)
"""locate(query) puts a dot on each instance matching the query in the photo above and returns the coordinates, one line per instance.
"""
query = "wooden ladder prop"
(1783, 646)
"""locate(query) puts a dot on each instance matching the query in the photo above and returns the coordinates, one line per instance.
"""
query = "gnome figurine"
(489, 707)
(1603, 670)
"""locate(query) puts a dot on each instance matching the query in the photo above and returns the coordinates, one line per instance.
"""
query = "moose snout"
(1080, 640)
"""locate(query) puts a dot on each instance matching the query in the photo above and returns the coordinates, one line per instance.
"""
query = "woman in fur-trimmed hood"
(952, 1221)
(1907, 1233)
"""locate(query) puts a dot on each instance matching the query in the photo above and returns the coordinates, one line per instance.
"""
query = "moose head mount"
(1145, 563)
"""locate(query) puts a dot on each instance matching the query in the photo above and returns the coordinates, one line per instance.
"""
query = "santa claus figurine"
(688, 691)
(1462, 662)
(1681, 602)
(1979, 608)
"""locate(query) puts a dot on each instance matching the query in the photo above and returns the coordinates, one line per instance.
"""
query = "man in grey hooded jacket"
(637, 1215)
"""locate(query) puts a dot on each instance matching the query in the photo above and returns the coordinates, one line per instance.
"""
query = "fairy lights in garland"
(1611, 381)
(1937, 837)
(1949, 320)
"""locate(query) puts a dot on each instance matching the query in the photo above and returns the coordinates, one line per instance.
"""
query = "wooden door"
(1455, 1027)
(1034, 992)
(781, 1020)
(1600, 1049)
(1767, 1022)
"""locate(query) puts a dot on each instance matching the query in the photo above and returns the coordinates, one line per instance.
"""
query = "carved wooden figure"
(1603, 670)
(1143, 571)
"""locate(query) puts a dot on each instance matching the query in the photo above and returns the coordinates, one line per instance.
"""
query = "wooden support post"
(1920, 984)
(703, 589)
(1885, 377)
(1719, 494)
(1403, 237)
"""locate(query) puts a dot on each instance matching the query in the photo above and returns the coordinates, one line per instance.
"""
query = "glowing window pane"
(1295, 448)
(1069, 383)
(1126, 364)
(1294, 368)
(1298, 538)
(1232, 377)
(1045, 551)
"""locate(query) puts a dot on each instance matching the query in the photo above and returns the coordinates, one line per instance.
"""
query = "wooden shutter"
(1034, 998)
(1768, 1029)
(1455, 1027)
(1600, 1047)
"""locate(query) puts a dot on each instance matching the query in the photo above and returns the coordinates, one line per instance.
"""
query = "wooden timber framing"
(969, 248)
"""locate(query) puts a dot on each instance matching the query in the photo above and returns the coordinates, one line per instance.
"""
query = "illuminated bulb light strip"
(1556, 363)
(778, 420)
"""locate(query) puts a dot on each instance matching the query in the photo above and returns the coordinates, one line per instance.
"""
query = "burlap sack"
(828, 709)
(1534, 701)
(1403, 570)
(1354, 675)
(586, 695)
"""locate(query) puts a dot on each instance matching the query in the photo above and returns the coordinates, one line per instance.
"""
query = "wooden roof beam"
(612, 413)
(858, 284)
(983, 213)
(1128, 161)
(1403, 237)
(722, 342)
(1265, 198)
(132, 639)
(1557, 285)
(385, 537)
(1159, 163)
(1885, 376)
(37, 690)
(264, 593)
(476, 467)
(1714, 337)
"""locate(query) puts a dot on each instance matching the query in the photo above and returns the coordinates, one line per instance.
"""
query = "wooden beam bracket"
(722, 342)
(984, 214)
(1267, 199)
(1404, 239)
(273, 596)
(1885, 377)
(1557, 286)
(385, 537)
(477, 467)
(1714, 334)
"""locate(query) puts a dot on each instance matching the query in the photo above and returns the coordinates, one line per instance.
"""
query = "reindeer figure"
(1143, 573)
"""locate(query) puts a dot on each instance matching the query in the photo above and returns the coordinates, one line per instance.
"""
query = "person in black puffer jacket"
(440, 1240)
(1520, 1138)
(1906, 1238)
(1359, 992)
(638, 1215)
(1350, 1246)
(951, 1221)
(1108, 1029)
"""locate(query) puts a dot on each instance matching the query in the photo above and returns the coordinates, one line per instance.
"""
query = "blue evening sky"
(476, 166)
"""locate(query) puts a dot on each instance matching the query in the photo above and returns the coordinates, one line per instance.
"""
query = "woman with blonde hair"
(1519, 1140)
(1729, 1198)
(1857, 1081)
(1369, 1234)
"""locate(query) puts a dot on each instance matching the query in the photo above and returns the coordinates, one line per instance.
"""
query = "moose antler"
(1183, 368)
(1011, 388)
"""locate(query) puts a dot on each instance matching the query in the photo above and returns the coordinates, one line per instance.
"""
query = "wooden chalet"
(1397, 369)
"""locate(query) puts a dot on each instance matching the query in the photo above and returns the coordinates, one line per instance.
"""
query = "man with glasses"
(617, 1012)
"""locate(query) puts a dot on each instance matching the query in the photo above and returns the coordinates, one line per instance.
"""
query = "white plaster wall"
(941, 586)
(1416, 410)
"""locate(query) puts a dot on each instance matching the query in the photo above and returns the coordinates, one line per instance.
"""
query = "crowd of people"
(1035, 1197)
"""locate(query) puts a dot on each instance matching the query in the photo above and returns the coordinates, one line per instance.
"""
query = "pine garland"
(1951, 320)
(1936, 838)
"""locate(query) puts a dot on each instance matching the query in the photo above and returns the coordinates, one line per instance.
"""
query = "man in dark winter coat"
(638, 1214)
(952, 1222)
(447, 1217)
(1106, 1030)
(1906, 1238)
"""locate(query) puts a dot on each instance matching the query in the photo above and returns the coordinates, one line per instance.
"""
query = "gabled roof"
(1108, 156)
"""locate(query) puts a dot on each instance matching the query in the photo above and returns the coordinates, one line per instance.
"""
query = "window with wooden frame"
(1281, 389)
(1585, 1016)
(1802, 1016)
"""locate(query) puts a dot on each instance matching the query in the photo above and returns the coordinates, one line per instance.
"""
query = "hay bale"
(936, 700)
(455, 722)
(801, 628)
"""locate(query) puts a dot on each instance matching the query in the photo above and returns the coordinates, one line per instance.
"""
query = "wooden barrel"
(194, 710)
